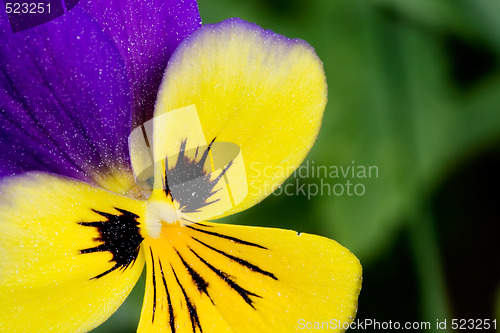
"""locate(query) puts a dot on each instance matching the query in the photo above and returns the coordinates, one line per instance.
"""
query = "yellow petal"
(222, 278)
(52, 275)
(254, 88)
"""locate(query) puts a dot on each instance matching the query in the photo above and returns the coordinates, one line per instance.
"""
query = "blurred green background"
(414, 89)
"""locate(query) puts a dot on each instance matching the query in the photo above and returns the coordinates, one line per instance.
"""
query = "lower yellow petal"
(63, 267)
(207, 277)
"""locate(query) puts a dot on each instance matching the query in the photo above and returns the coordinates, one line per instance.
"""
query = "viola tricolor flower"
(78, 221)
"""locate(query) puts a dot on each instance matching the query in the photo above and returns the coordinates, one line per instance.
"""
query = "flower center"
(159, 213)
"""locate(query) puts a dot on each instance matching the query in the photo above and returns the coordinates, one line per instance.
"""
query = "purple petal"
(146, 33)
(65, 104)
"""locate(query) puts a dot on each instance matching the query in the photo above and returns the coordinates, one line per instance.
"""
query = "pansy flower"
(82, 210)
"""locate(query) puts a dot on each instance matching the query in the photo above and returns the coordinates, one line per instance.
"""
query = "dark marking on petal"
(245, 294)
(234, 239)
(166, 188)
(193, 314)
(203, 224)
(239, 260)
(170, 308)
(200, 282)
(189, 182)
(119, 235)
(154, 284)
